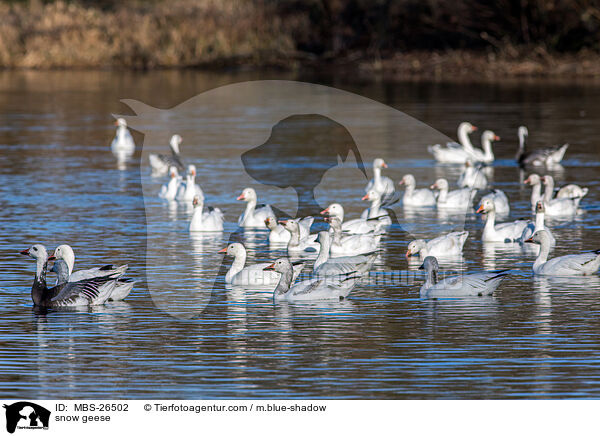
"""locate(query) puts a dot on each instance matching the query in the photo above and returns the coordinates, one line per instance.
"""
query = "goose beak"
(496, 138)
(408, 254)
(530, 240)
(25, 252)
(422, 266)
(527, 181)
(480, 210)
(325, 211)
(241, 197)
(474, 128)
(52, 257)
(269, 268)
(224, 250)
(366, 197)
(116, 123)
(401, 182)
(384, 165)
(267, 222)
(283, 222)
(434, 186)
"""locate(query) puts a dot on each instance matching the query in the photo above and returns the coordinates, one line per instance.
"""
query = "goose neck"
(285, 282)
(463, 138)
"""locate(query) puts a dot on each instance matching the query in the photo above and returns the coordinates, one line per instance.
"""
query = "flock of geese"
(349, 248)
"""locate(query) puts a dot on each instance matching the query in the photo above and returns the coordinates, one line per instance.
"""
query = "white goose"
(351, 245)
(500, 200)
(297, 243)
(320, 288)
(357, 226)
(472, 177)
(328, 266)
(450, 244)
(278, 234)
(122, 146)
(466, 285)
(453, 152)
(189, 189)
(255, 215)
(416, 197)
(529, 231)
(582, 264)
(564, 206)
(252, 275)
(375, 212)
(383, 185)
(161, 163)
(458, 199)
(504, 232)
(209, 221)
(536, 189)
(168, 191)
(486, 155)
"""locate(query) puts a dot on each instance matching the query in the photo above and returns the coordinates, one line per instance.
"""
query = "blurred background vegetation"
(403, 36)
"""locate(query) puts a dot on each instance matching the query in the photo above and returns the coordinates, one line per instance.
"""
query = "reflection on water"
(536, 338)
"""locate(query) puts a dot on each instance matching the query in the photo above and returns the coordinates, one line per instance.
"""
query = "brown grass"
(395, 37)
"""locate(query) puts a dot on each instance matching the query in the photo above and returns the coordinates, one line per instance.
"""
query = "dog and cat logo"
(26, 415)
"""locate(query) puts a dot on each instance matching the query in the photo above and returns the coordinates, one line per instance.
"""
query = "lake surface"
(59, 183)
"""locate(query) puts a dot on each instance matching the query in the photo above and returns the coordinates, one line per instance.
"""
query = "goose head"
(533, 180)
(430, 264)
(120, 122)
(415, 247)
(270, 223)
(281, 266)
(248, 194)
(540, 208)
(191, 170)
(486, 206)
(173, 173)
(196, 201)
(175, 142)
(540, 237)
(234, 249)
(522, 132)
(467, 127)
(65, 252)
(490, 136)
(408, 180)
(334, 210)
(372, 195)
(548, 180)
(379, 163)
(440, 184)
(37, 252)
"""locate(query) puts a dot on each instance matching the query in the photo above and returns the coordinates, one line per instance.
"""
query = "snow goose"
(564, 206)
(252, 275)
(351, 245)
(416, 197)
(536, 189)
(255, 215)
(383, 185)
(168, 191)
(582, 264)
(458, 199)
(486, 155)
(65, 253)
(122, 146)
(356, 226)
(189, 189)
(297, 243)
(161, 163)
(500, 200)
(466, 285)
(328, 266)
(92, 291)
(320, 288)
(504, 232)
(450, 244)
(278, 233)
(453, 152)
(529, 231)
(375, 211)
(541, 157)
(209, 221)
(472, 177)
